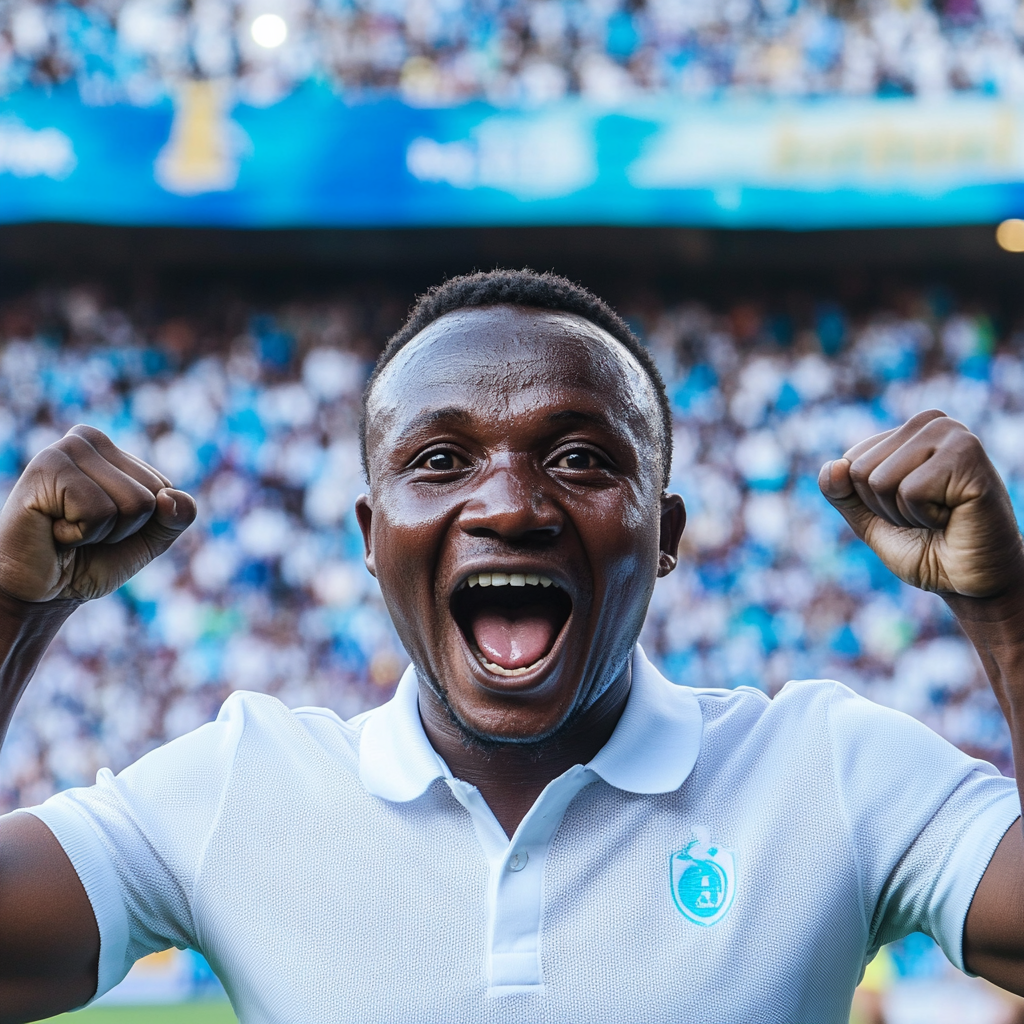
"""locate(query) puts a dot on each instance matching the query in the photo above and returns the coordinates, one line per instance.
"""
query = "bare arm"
(994, 931)
(50, 945)
(82, 519)
(931, 505)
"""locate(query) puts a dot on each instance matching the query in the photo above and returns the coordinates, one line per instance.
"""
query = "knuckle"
(73, 446)
(877, 479)
(50, 461)
(949, 433)
(860, 471)
(945, 425)
(912, 490)
(94, 502)
(140, 505)
(91, 435)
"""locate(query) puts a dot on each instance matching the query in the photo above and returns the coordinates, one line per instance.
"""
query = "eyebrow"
(578, 416)
(432, 416)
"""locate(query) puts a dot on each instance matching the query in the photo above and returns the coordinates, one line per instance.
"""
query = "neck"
(511, 776)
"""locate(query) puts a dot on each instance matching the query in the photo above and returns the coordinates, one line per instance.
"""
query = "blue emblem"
(703, 878)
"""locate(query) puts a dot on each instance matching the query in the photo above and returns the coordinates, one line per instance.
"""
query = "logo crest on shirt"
(703, 879)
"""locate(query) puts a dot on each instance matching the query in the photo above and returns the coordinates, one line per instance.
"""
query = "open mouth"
(510, 620)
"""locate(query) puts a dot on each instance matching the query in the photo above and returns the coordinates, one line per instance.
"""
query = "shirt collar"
(652, 750)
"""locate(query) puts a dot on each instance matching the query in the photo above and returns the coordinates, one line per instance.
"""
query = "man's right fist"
(83, 518)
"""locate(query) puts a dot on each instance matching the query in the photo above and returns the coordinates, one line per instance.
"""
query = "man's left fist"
(931, 505)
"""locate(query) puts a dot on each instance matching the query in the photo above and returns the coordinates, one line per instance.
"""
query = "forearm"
(49, 942)
(995, 626)
(26, 630)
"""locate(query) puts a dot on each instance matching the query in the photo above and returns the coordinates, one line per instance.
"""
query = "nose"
(511, 503)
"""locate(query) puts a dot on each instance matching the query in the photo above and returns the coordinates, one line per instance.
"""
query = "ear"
(364, 513)
(673, 522)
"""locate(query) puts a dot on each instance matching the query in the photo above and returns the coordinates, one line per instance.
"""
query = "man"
(538, 827)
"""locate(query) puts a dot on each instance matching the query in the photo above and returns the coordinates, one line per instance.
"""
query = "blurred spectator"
(869, 999)
(447, 51)
(911, 982)
(256, 410)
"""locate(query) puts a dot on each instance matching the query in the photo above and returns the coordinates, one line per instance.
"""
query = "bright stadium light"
(269, 31)
(1010, 235)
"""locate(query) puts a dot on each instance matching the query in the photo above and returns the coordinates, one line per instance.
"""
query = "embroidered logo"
(703, 879)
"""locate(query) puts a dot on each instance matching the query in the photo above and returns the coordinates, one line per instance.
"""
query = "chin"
(512, 731)
(493, 721)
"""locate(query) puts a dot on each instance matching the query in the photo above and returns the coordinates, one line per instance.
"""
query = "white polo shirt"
(724, 858)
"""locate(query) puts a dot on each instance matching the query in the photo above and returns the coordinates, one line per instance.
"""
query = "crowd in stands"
(516, 51)
(255, 411)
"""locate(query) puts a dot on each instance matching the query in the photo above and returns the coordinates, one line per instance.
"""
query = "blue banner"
(313, 160)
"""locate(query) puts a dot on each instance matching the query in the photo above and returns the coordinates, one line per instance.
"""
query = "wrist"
(1000, 614)
(19, 618)
(995, 626)
(26, 629)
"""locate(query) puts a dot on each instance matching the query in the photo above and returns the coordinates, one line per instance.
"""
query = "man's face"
(515, 521)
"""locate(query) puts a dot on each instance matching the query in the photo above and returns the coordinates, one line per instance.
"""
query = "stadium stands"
(446, 51)
(255, 410)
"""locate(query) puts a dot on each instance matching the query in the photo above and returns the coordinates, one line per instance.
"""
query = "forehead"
(508, 361)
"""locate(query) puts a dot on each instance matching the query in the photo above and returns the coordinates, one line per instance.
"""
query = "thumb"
(174, 513)
(835, 483)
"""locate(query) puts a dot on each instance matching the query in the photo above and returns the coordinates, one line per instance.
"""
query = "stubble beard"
(488, 743)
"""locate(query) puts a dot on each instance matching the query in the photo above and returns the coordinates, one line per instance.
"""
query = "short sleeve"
(924, 820)
(137, 840)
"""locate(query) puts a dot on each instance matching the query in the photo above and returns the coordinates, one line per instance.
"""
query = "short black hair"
(522, 288)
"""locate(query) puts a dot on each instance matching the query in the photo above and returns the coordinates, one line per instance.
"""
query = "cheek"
(627, 579)
(403, 555)
(622, 538)
(409, 532)
(400, 535)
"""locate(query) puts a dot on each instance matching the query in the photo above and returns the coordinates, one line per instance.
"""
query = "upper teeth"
(507, 579)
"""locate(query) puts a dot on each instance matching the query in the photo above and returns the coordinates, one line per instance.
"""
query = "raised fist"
(83, 518)
(931, 505)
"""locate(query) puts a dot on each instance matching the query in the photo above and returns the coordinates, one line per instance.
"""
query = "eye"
(441, 462)
(579, 458)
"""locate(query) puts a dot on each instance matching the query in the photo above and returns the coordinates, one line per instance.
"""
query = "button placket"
(516, 882)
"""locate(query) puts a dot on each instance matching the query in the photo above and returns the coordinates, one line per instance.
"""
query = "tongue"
(513, 638)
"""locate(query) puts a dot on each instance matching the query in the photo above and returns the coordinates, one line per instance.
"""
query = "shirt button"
(518, 861)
